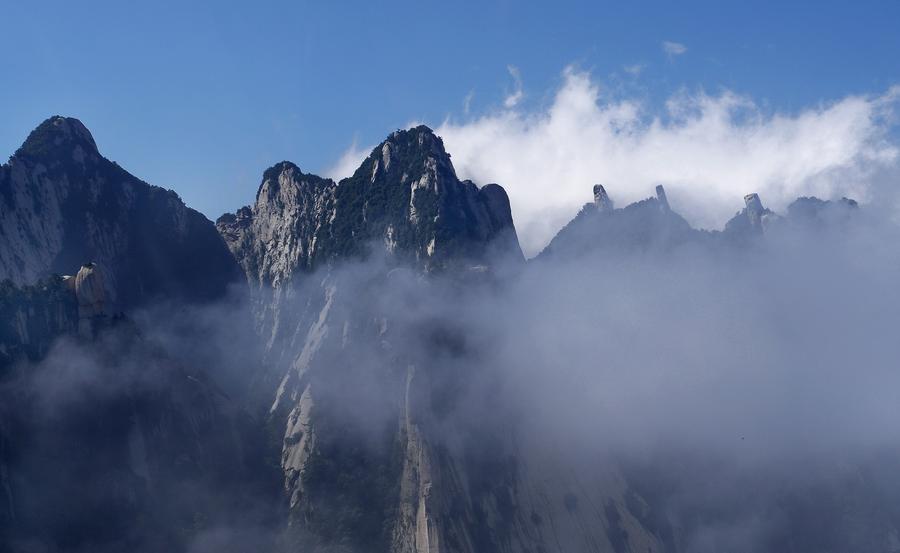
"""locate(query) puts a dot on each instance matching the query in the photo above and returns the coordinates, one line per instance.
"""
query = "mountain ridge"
(374, 417)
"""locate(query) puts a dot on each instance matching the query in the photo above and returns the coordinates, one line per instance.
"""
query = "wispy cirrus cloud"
(672, 49)
(518, 92)
(634, 69)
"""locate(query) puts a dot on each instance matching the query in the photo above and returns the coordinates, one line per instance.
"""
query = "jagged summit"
(287, 174)
(423, 135)
(651, 224)
(406, 152)
(280, 167)
(405, 199)
(57, 134)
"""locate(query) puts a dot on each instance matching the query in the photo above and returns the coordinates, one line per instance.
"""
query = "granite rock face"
(63, 204)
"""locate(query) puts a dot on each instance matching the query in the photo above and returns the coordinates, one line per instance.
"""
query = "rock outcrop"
(95, 295)
(662, 198)
(751, 221)
(601, 199)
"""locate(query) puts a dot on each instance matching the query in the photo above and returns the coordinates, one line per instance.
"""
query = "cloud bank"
(708, 150)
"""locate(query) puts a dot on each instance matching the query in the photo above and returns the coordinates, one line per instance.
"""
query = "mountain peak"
(279, 168)
(420, 139)
(57, 134)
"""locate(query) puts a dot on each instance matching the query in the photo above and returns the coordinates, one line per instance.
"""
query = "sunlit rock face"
(95, 294)
(63, 203)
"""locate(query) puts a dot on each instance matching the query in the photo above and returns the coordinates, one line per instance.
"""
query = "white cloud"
(516, 96)
(673, 48)
(708, 150)
(349, 161)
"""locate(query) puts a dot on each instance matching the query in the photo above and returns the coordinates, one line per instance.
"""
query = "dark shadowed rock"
(63, 204)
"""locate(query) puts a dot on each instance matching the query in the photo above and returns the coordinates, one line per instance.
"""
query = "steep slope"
(63, 204)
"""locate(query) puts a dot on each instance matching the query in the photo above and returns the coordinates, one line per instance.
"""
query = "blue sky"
(202, 99)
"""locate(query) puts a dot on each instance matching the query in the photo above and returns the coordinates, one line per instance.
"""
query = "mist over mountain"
(371, 365)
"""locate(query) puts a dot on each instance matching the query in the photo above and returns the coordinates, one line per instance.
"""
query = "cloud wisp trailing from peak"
(708, 150)
(348, 162)
(673, 48)
(513, 99)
